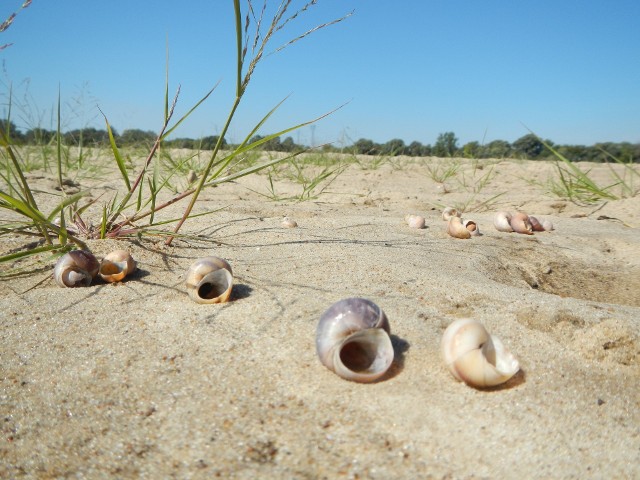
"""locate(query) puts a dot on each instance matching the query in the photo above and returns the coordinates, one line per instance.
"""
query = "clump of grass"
(313, 173)
(574, 184)
(441, 171)
(134, 213)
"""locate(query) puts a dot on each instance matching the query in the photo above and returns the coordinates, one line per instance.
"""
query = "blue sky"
(568, 70)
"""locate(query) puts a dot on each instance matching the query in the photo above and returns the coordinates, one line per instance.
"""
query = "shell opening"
(358, 357)
(366, 355)
(214, 284)
(77, 278)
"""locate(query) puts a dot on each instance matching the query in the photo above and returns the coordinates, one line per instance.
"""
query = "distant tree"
(394, 147)
(135, 136)
(89, 136)
(11, 130)
(272, 145)
(471, 150)
(288, 145)
(446, 145)
(38, 136)
(496, 149)
(365, 146)
(416, 149)
(209, 143)
(189, 143)
(528, 146)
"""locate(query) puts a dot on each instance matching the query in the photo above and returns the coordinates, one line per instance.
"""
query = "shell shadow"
(518, 379)
(240, 291)
(400, 347)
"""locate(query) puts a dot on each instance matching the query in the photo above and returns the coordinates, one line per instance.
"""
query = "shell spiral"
(475, 357)
(352, 340)
(76, 269)
(209, 280)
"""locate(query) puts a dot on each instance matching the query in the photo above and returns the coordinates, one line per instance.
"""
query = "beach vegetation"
(134, 213)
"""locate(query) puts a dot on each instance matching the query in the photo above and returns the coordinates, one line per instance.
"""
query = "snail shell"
(456, 229)
(352, 340)
(449, 212)
(209, 280)
(472, 226)
(117, 265)
(76, 269)
(289, 223)
(475, 357)
(415, 221)
(521, 224)
(501, 221)
(540, 226)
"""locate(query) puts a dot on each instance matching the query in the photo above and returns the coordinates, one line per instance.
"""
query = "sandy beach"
(134, 380)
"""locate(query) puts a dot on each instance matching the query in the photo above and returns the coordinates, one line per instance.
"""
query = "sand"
(134, 380)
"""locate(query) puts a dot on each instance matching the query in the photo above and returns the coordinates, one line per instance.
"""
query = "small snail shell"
(472, 226)
(502, 222)
(539, 226)
(191, 176)
(76, 269)
(521, 224)
(456, 229)
(352, 340)
(415, 221)
(475, 357)
(117, 265)
(289, 222)
(209, 280)
(449, 212)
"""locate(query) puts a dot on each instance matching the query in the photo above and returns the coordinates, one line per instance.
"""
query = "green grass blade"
(116, 154)
(59, 147)
(17, 205)
(30, 252)
(186, 115)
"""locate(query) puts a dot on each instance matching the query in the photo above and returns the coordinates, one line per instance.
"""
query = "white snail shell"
(352, 340)
(76, 269)
(449, 212)
(475, 357)
(456, 229)
(547, 225)
(289, 223)
(501, 221)
(472, 226)
(209, 280)
(116, 265)
(415, 221)
(521, 224)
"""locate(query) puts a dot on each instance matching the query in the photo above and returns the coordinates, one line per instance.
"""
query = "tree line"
(527, 147)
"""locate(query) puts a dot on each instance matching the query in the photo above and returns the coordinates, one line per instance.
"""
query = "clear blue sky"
(569, 70)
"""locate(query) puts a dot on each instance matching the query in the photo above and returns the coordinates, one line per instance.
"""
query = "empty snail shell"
(289, 223)
(209, 280)
(521, 224)
(116, 265)
(472, 226)
(456, 229)
(540, 226)
(501, 221)
(475, 357)
(415, 221)
(352, 340)
(76, 269)
(449, 212)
